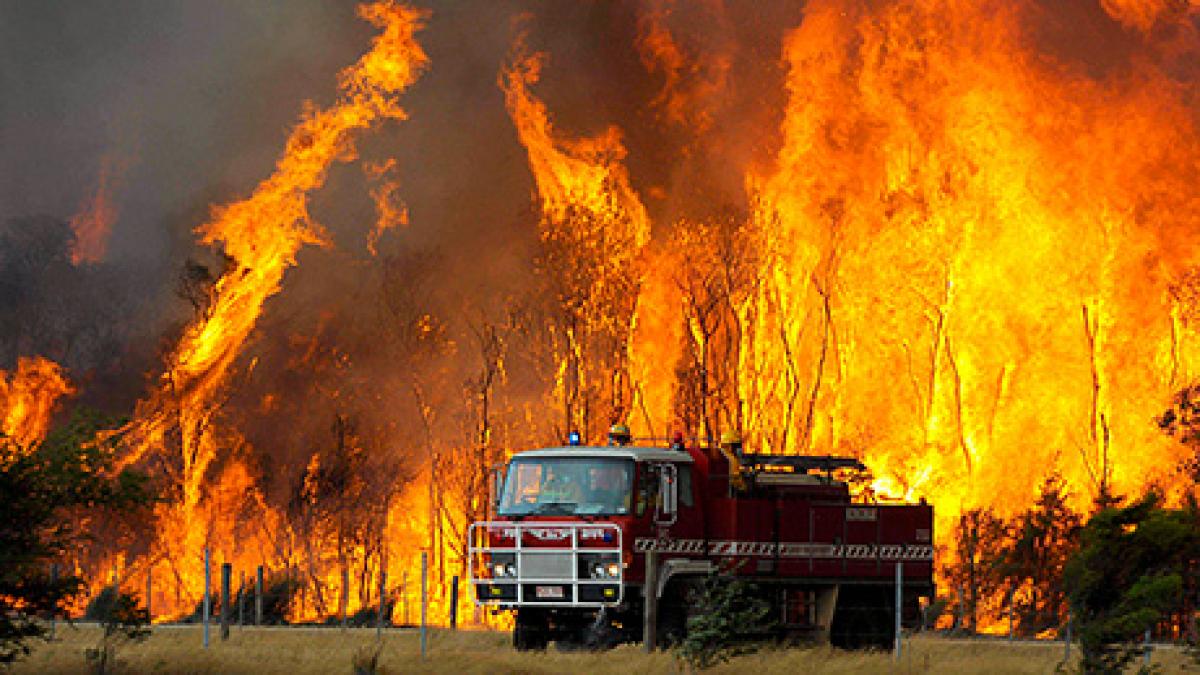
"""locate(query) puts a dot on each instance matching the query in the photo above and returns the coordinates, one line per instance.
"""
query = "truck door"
(686, 525)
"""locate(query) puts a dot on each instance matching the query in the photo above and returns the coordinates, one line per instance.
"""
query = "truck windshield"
(567, 486)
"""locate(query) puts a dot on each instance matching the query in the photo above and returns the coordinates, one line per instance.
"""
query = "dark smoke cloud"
(198, 97)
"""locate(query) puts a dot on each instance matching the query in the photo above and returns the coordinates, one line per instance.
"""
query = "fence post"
(242, 599)
(345, 594)
(424, 601)
(454, 602)
(650, 603)
(226, 582)
(53, 616)
(1011, 612)
(149, 590)
(207, 594)
(258, 597)
(1149, 648)
(1067, 642)
(899, 608)
(382, 602)
(404, 596)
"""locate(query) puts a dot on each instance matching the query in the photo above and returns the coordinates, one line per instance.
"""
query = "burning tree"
(593, 228)
(714, 266)
(925, 196)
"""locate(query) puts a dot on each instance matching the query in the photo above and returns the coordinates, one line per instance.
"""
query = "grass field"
(303, 651)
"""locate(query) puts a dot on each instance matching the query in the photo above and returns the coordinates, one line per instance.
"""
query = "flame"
(969, 261)
(1145, 14)
(588, 205)
(583, 173)
(28, 397)
(97, 214)
(973, 265)
(973, 261)
(694, 81)
(390, 211)
(261, 235)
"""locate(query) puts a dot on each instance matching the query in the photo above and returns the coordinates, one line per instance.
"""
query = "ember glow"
(955, 240)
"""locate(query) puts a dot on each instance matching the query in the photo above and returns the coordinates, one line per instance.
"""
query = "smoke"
(201, 96)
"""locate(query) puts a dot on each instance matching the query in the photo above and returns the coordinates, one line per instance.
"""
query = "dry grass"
(303, 651)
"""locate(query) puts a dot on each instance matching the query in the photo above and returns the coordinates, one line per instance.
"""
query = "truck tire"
(864, 618)
(674, 610)
(531, 632)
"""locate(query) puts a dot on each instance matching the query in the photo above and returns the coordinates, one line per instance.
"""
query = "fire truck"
(590, 543)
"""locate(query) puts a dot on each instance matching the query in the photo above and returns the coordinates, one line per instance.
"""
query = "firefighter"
(619, 434)
(731, 447)
(610, 488)
(560, 488)
(731, 442)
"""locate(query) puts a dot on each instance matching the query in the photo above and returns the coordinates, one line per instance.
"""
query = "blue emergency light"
(573, 438)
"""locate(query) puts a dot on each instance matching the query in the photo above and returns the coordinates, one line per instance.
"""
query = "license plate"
(549, 592)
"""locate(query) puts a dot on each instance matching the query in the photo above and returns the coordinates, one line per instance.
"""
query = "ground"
(300, 651)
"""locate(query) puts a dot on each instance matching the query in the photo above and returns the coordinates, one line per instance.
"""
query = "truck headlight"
(502, 565)
(606, 570)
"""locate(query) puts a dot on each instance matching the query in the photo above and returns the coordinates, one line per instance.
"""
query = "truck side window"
(647, 488)
(685, 485)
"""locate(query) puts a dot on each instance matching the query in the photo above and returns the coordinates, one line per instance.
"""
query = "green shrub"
(727, 619)
(124, 621)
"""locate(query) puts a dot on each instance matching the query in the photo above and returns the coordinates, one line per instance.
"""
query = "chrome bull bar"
(545, 564)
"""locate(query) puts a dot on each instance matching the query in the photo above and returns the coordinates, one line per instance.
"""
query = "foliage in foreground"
(123, 621)
(726, 616)
(39, 488)
(1127, 575)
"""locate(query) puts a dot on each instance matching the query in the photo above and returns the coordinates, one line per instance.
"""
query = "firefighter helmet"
(619, 434)
(730, 437)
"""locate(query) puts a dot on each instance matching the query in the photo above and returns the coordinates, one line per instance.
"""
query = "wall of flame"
(960, 254)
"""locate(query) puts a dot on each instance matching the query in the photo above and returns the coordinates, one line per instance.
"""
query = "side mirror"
(497, 485)
(668, 495)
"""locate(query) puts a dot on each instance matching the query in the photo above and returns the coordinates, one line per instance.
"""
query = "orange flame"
(584, 173)
(965, 258)
(96, 216)
(385, 194)
(1145, 14)
(28, 397)
(693, 83)
(262, 235)
(586, 199)
(973, 264)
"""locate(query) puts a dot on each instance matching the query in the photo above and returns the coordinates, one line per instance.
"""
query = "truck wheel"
(673, 613)
(530, 632)
(862, 620)
(600, 634)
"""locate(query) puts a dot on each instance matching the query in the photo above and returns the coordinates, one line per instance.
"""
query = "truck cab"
(576, 527)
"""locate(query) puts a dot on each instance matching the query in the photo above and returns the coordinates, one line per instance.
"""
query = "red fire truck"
(577, 525)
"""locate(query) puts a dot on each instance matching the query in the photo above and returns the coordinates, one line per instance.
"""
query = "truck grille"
(545, 565)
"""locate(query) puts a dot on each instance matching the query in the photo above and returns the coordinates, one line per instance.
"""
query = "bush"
(726, 616)
(368, 615)
(124, 621)
(1129, 573)
(366, 660)
(278, 594)
(101, 606)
